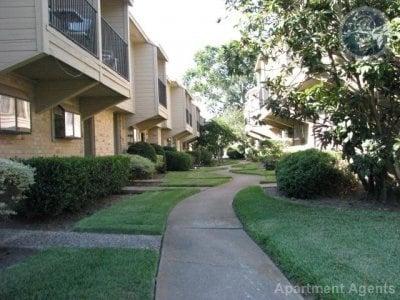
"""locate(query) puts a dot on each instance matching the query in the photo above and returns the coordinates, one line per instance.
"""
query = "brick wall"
(40, 142)
(104, 133)
(155, 136)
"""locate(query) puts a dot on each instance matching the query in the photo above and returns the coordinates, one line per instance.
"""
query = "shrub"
(270, 153)
(169, 148)
(206, 158)
(161, 166)
(15, 179)
(234, 154)
(143, 149)
(311, 173)
(69, 184)
(201, 157)
(253, 154)
(141, 167)
(178, 161)
(159, 149)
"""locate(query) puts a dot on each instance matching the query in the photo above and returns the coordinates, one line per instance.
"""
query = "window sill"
(13, 132)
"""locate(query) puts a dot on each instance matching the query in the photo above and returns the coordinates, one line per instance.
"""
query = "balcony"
(162, 93)
(77, 20)
(115, 50)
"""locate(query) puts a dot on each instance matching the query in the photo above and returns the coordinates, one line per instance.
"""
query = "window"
(15, 115)
(66, 124)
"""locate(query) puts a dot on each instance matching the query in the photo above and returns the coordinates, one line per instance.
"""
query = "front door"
(89, 137)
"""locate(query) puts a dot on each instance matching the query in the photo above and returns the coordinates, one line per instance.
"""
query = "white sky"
(182, 27)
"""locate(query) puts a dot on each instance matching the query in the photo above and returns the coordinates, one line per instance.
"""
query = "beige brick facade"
(154, 136)
(40, 141)
(104, 133)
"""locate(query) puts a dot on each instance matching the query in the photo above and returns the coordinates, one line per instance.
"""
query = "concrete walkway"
(207, 255)
(35, 239)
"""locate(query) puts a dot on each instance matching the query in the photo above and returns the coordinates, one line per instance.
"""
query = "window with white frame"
(66, 124)
(15, 115)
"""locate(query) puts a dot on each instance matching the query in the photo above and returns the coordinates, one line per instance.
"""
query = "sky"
(183, 27)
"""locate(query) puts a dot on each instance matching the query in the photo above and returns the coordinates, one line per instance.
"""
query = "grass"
(82, 274)
(203, 177)
(254, 169)
(143, 214)
(325, 246)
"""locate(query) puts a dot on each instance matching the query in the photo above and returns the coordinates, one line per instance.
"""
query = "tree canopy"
(357, 101)
(223, 75)
(215, 136)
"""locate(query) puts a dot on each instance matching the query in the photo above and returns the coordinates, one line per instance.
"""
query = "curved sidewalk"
(207, 255)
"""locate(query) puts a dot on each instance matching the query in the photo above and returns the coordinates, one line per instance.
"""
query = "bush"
(206, 158)
(178, 161)
(201, 157)
(15, 179)
(159, 149)
(161, 166)
(311, 173)
(253, 154)
(270, 153)
(143, 149)
(141, 167)
(234, 154)
(69, 184)
(169, 148)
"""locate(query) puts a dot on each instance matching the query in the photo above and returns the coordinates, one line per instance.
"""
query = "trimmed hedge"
(141, 167)
(159, 149)
(178, 161)
(69, 184)
(143, 149)
(201, 157)
(161, 165)
(311, 173)
(234, 154)
(169, 148)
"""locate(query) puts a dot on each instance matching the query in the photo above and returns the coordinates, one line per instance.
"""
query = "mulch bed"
(358, 200)
(63, 222)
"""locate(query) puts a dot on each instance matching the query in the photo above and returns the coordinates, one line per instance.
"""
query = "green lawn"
(325, 246)
(82, 274)
(142, 214)
(254, 169)
(203, 177)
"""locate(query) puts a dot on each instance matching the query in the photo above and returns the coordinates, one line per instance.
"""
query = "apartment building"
(182, 117)
(152, 105)
(261, 123)
(80, 78)
(64, 74)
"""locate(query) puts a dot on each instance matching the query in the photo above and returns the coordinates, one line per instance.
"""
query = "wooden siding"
(145, 88)
(115, 12)
(178, 111)
(18, 31)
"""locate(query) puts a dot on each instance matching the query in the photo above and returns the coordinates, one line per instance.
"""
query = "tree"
(358, 98)
(215, 137)
(223, 75)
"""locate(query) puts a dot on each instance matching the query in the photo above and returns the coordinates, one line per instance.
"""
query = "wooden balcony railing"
(77, 20)
(162, 93)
